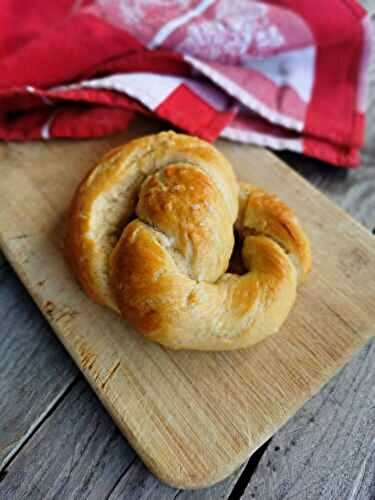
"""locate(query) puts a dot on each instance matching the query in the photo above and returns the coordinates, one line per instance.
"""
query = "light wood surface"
(192, 417)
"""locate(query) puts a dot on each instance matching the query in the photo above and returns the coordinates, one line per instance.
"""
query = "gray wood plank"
(139, 484)
(353, 190)
(369, 5)
(219, 491)
(35, 371)
(77, 454)
(327, 451)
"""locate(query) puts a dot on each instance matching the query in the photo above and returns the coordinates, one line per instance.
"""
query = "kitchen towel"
(287, 74)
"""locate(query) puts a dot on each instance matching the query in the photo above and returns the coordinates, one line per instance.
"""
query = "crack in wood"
(108, 496)
(88, 358)
(34, 428)
(110, 374)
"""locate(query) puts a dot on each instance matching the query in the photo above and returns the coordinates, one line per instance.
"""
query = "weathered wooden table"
(56, 440)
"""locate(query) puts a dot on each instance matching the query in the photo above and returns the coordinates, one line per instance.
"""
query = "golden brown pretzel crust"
(150, 233)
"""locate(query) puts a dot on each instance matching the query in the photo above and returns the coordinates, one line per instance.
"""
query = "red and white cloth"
(288, 74)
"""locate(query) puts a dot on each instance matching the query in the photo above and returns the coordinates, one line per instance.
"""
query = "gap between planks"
(35, 426)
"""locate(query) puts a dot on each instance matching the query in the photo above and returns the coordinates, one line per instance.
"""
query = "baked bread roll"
(150, 233)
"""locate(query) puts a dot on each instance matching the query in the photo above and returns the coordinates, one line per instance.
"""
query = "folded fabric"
(280, 73)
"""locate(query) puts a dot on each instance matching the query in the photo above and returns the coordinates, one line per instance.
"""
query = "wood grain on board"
(192, 417)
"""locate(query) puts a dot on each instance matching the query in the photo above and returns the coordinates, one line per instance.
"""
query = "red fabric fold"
(276, 73)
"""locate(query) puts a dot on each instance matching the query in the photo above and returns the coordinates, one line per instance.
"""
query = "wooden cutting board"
(192, 417)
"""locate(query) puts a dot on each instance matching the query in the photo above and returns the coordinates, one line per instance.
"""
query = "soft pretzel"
(150, 233)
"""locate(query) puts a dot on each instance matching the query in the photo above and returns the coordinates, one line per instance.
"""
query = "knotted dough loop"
(150, 233)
